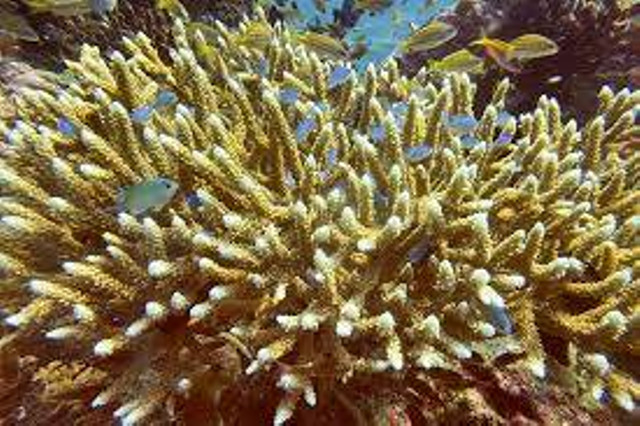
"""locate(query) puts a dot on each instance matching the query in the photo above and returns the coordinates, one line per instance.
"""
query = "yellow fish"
(533, 46)
(428, 37)
(323, 45)
(257, 35)
(501, 52)
(372, 5)
(460, 61)
(71, 7)
(321, 5)
(15, 26)
(173, 7)
(504, 47)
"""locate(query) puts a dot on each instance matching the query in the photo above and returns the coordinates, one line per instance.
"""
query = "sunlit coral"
(346, 236)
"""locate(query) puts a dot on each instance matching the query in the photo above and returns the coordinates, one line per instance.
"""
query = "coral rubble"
(334, 240)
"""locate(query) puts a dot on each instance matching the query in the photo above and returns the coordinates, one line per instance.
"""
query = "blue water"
(381, 31)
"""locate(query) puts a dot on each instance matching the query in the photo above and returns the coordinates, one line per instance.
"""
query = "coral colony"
(337, 234)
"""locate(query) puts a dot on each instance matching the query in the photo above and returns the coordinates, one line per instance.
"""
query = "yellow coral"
(323, 256)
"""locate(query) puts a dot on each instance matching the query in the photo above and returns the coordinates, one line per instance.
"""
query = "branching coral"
(351, 252)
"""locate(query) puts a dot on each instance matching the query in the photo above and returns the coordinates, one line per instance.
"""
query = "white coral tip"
(105, 347)
(159, 268)
(344, 328)
(155, 310)
(624, 401)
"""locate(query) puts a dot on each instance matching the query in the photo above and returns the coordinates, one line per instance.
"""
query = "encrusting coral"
(344, 236)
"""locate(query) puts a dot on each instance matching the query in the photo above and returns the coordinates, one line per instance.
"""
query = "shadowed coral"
(593, 37)
(346, 237)
(61, 37)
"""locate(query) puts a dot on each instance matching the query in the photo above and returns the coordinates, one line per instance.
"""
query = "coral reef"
(340, 243)
(61, 37)
(593, 36)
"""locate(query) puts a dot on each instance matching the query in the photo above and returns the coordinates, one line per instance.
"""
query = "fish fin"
(121, 199)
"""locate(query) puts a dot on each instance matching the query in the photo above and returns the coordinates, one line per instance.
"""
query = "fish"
(323, 44)
(398, 109)
(71, 7)
(533, 46)
(263, 67)
(66, 127)
(321, 5)
(305, 127)
(460, 61)
(257, 35)
(338, 76)
(500, 318)
(504, 137)
(288, 95)
(372, 5)
(193, 200)
(332, 157)
(173, 8)
(416, 154)
(501, 52)
(428, 37)
(469, 141)
(150, 195)
(165, 98)
(494, 43)
(503, 118)
(461, 123)
(15, 26)
(378, 133)
(503, 60)
(142, 114)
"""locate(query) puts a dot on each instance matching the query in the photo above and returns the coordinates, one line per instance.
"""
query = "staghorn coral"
(304, 268)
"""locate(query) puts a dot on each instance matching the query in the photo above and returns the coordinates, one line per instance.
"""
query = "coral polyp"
(326, 234)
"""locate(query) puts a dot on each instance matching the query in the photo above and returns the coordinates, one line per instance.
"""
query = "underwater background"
(313, 212)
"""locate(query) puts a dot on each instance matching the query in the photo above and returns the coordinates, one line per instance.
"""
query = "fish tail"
(121, 201)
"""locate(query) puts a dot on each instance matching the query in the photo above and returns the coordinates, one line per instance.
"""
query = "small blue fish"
(399, 111)
(150, 195)
(165, 98)
(66, 127)
(469, 141)
(503, 117)
(378, 133)
(418, 252)
(338, 76)
(332, 157)
(193, 200)
(305, 127)
(501, 319)
(142, 114)
(289, 96)
(462, 123)
(263, 67)
(504, 138)
(417, 153)
(321, 107)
